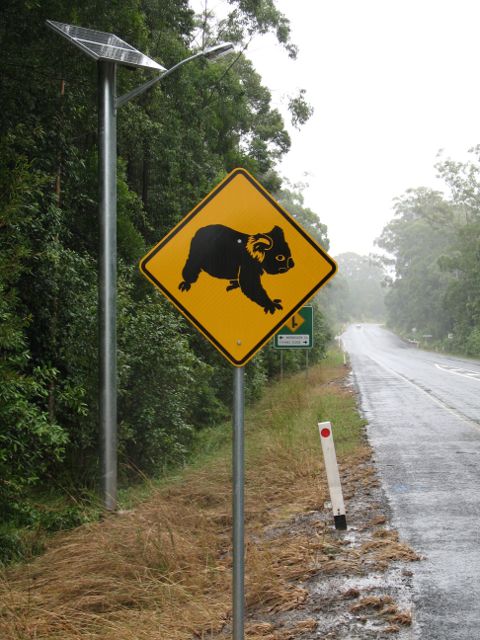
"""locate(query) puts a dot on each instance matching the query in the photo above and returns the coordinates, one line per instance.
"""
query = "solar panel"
(100, 45)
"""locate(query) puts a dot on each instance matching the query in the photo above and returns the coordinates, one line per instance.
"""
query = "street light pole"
(107, 278)
(108, 105)
(109, 50)
(212, 53)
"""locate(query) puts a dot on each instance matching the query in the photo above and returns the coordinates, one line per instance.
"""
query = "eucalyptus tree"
(462, 263)
(417, 239)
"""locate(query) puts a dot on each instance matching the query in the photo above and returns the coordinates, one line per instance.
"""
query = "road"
(423, 413)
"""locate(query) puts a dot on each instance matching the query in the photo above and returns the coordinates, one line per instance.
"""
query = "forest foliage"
(432, 251)
(357, 294)
(174, 144)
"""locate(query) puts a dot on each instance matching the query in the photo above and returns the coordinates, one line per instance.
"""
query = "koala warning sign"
(238, 266)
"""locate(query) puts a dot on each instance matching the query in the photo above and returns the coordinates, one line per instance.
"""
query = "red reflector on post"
(333, 476)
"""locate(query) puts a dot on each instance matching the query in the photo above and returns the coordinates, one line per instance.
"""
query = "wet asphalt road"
(423, 412)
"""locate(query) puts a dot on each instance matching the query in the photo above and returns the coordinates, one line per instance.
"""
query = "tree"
(29, 435)
(462, 262)
(175, 143)
(357, 291)
(292, 200)
(419, 236)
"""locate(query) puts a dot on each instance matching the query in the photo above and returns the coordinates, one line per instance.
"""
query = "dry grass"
(163, 570)
(384, 607)
(385, 547)
(128, 573)
(267, 631)
(372, 602)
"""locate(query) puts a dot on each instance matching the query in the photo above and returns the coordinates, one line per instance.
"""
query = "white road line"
(471, 375)
(429, 395)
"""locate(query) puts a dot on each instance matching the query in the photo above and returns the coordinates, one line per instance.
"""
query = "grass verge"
(162, 569)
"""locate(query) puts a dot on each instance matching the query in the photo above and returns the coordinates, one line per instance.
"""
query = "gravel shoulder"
(349, 584)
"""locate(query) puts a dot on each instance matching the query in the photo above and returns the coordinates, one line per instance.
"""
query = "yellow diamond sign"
(295, 322)
(238, 266)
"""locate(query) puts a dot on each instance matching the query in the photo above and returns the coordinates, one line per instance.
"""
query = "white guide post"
(333, 475)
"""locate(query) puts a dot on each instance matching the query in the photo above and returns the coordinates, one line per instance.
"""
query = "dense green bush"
(174, 144)
(472, 345)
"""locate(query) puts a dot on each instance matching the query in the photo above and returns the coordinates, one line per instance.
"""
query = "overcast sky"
(392, 82)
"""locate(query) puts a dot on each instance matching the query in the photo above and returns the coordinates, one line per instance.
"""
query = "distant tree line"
(433, 253)
(175, 143)
(357, 293)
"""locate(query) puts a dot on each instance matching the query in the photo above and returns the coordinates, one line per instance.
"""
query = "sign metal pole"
(107, 274)
(238, 579)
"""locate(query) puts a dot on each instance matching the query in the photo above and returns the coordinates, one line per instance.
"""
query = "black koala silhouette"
(241, 258)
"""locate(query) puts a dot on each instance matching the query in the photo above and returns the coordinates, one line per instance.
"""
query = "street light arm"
(210, 53)
(137, 91)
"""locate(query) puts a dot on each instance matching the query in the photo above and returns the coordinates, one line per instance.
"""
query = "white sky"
(391, 82)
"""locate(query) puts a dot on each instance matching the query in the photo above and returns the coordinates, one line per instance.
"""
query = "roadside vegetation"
(162, 566)
(357, 293)
(174, 144)
(423, 283)
(432, 250)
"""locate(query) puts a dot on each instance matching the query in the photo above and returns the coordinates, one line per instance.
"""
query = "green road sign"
(297, 333)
